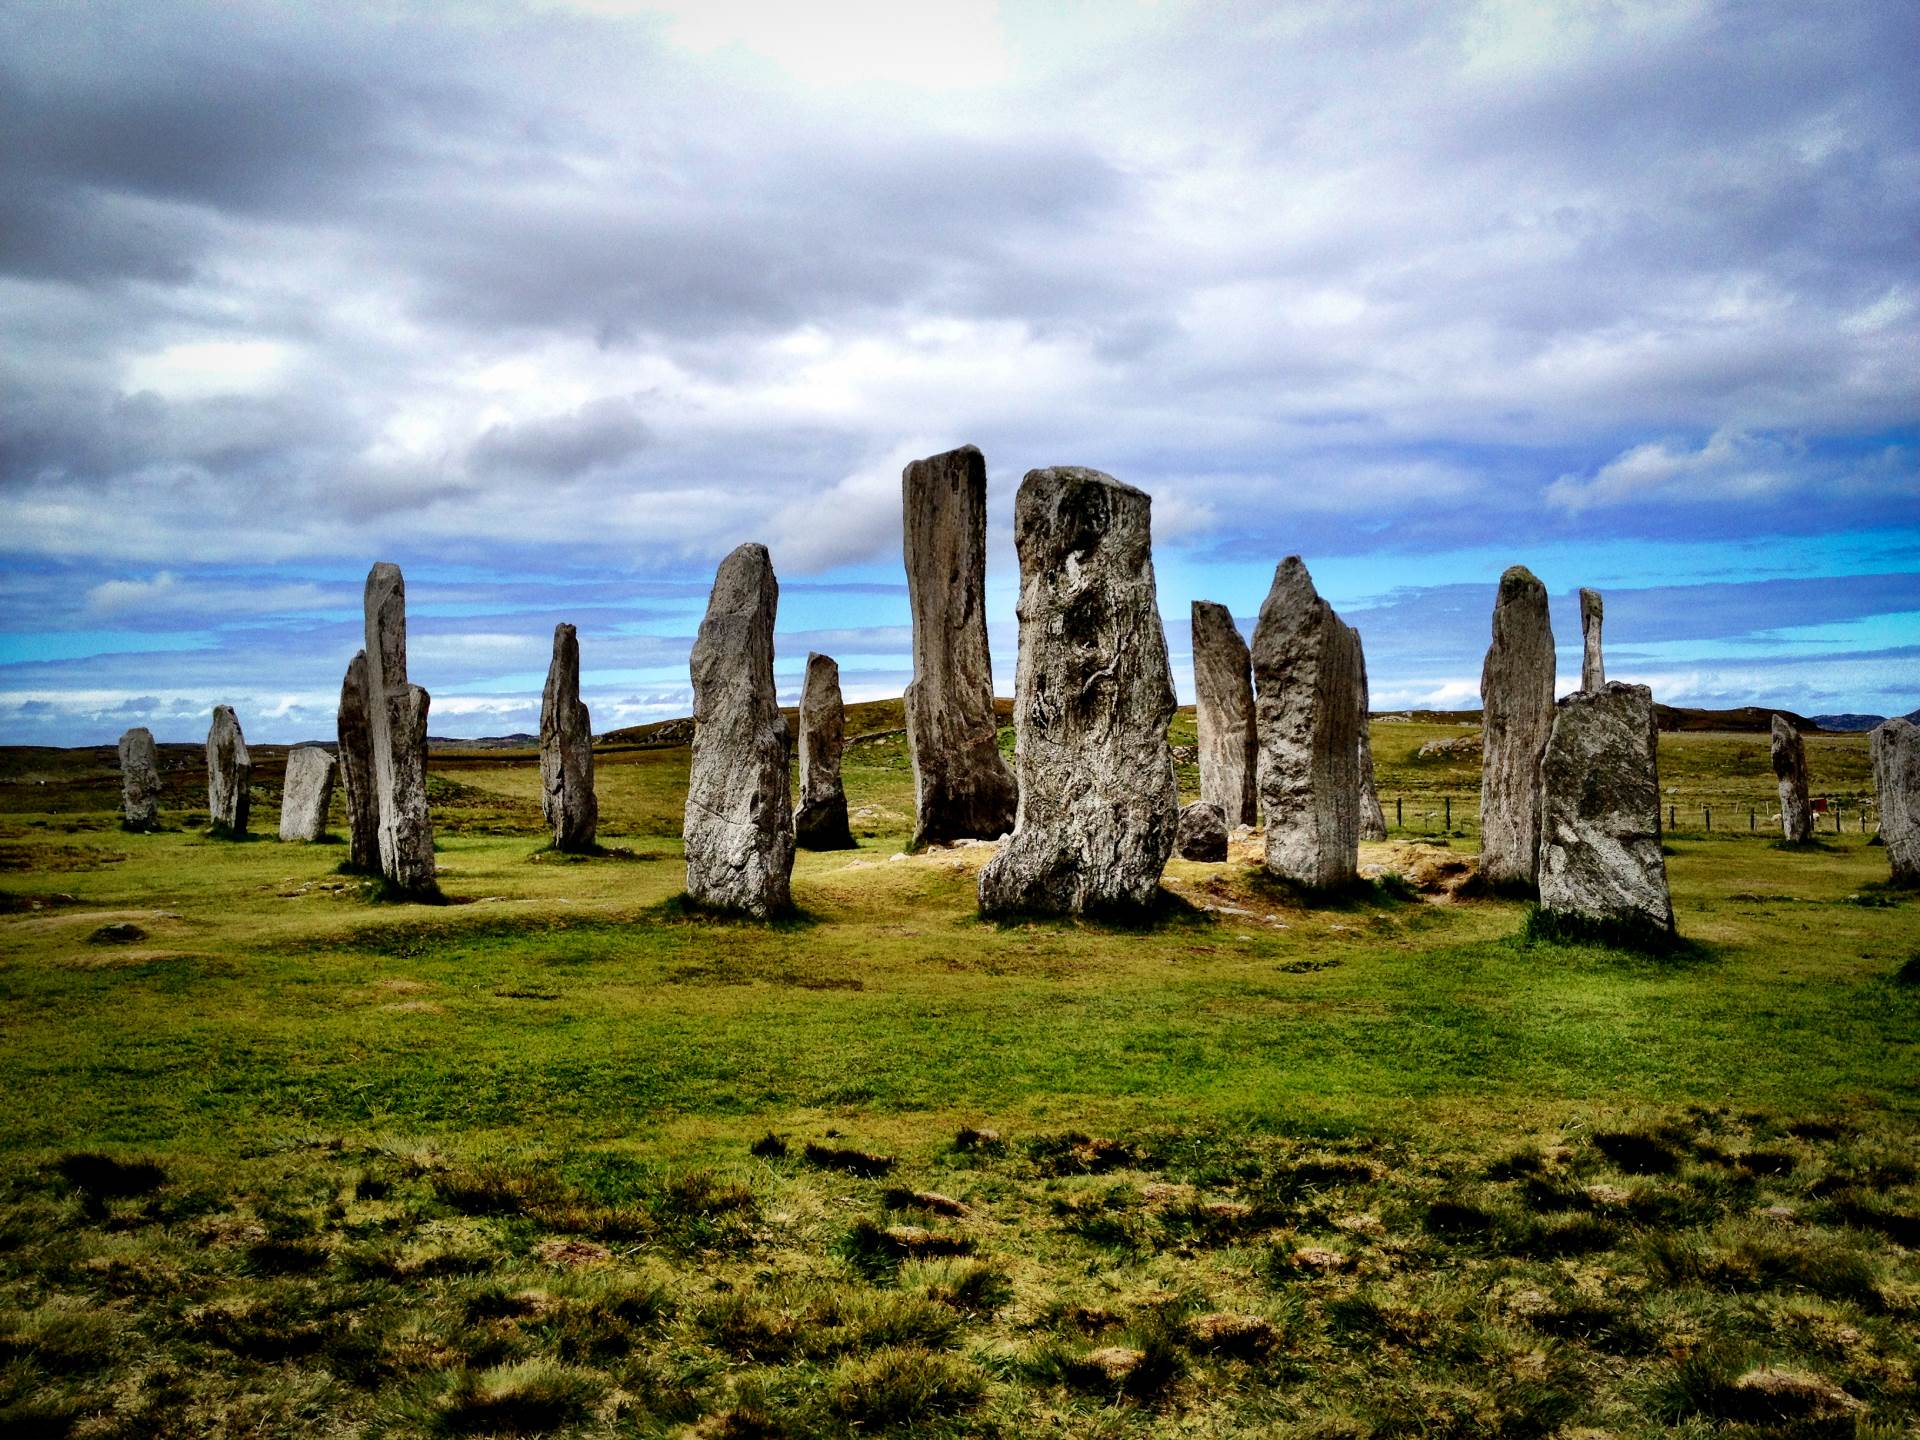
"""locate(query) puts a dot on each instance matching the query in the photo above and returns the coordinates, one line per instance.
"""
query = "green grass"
(560, 1156)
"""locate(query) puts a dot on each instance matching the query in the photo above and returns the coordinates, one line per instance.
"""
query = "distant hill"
(1849, 723)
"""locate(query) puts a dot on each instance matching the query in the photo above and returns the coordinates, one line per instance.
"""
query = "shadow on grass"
(1167, 910)
(1364, 892)
(1634, 938)
(683, 909)
(554, 855)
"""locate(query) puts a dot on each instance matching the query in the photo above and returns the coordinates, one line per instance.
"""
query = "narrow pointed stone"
(1593, 666)
(354, 729)
(397, 715)
(1516, 699)
(821, 821)
(739, 816)
(229, 773)
(1896, 785)
(962, 787)
(1373, 820)
(1790, 769)
(566, 750)
(1092, 698)
(139, 781)
(305, 794)
(1224, 714)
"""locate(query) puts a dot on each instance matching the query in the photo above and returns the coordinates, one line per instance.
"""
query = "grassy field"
(562, 1157)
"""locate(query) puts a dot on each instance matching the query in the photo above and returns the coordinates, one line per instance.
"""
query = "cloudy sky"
(555, 303)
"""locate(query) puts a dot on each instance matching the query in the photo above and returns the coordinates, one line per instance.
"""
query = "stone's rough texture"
(306, 793)
(1202, 833)
(1516, 699)
(139, 781)
(355, 731)
(1896, 783)
(1306, 664)
(821, 822)
(1593, 667)
(1600, 811)
(566, 750)
(1373, 820)
(1092, 698)
(229, 773)
(739, 820)
(1223, 710)
(1790, 767)
(962, 787)
(397, 723)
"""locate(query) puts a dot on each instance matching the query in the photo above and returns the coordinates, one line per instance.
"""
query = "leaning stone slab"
(354, 729)
(1306, 664)
(566, 750)
(1896, 784)
(1092, 699)
(739, 817)
(1224, 714)
(1516, 699)
(1373, 820)
(229, 773)
(1593, 665)
(1600, 857)
(306, 793)
(139, 781)
(821, 821)
(962, 787)
(1202, 833)
(1790, 768)
(397, 715)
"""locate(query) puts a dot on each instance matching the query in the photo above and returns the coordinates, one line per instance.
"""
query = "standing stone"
(1092, 699)
(1305, 663)
(1202, 832)
(1790, 766)
(566, 750)
(961, 785)
(739, 818)
(1896, 781)
(397, 715)
(1223, 710)
(355, 731)
(1593, 668)
(821, 822)
(139, 781)
(229, 773)
(1373, 820)
(1516, 716)
(306, 793)
(1600, 811)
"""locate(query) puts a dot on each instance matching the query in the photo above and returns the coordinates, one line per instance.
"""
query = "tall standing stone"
(821, 821)
(1306, 662)
(961, 785)
(229, 773)
(397, 715)
(1790, 768)
(1223, 711)
(1373, 820)
(1093, 695)
(1600, 854)
(1896, 784)
(566, 750)
(1516, 716)
(139, 781)
(1593, 665)
(739, 817)
(355, 731)
(305, 794)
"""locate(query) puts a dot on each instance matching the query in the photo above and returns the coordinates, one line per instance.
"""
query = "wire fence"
(1449, 815)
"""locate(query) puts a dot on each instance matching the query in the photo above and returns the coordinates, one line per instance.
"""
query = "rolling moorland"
(562, 1156)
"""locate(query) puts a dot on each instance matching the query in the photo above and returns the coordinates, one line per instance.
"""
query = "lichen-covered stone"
(1600, 856)
(1373, 820)
(139, 780)
(305, 794)
(566, 750)
(1790, 769)
(1092, 699)
(739, 816)
(1202, 832)
(1516, 700)
(962, 787)
(821, 821)
(1896, 784)
(1593, 665)
(229, 774)
(354, 730)
(1224, 714)
(397, 724)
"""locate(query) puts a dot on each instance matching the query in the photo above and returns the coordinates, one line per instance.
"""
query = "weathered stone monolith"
(739, 818)
(305, 794)
(1202, 832)
(1790, 767)
(229, 773)
(961, 785)
(821, 821)
(139, 781)
(1092, 698)
(1600, 857)
(397, 723)
(1373, 820)
(1516, 716)
(1593, 665)
(1896, 783)
(1305, 665)
(566, 750)
(355, 732)
(1223, 711)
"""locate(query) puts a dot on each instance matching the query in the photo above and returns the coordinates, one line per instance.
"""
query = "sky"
(556, 303)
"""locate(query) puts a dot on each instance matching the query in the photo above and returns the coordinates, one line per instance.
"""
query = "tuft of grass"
(528, 1397)
(897, 1385)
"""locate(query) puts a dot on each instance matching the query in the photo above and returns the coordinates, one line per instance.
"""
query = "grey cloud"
(601, 433)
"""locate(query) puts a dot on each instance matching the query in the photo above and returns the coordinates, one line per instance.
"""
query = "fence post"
(1449, 820)
(1707, 810)
(1753, 820)
(1673, 817)
(1399, 819)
